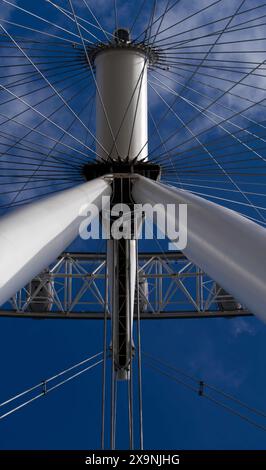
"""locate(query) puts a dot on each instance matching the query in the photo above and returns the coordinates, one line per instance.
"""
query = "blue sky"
(229, 354)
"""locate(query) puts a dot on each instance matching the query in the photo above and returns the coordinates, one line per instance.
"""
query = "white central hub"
(121, 104)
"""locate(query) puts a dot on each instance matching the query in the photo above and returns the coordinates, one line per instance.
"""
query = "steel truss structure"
(170, 287)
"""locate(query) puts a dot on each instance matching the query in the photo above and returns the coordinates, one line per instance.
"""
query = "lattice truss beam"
(170, 286)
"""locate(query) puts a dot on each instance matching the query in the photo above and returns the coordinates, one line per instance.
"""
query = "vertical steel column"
(121, 259)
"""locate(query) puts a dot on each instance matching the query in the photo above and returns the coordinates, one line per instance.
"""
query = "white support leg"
(228, 247)
(33, 236)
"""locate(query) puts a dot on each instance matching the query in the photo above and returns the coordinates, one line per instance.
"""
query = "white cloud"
(241, 326)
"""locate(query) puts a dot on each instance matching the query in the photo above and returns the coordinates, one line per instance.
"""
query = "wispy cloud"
(208, 366)
(240, 327)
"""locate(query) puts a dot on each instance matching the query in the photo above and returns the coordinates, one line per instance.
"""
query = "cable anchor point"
(201, 388)
(44, 387)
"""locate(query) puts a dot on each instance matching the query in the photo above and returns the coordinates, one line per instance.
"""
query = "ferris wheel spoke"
(38, 149)
(147, 33)
(45, 117)
(48, 176)
(179, 49)
(178, 53)
(54, 89)
(75, 173)
(48, 47)
(35, 187)
(137, 16)
(168, 50)
(209, 75)
(38, 31)
(206, 109)
(197, 159)
(193, 104)
(95, 19)
(71, 183)
(82, 77)
(55, 72)
(28, 12)
(21, 157)
(25, 81)
(223, 68)
(201, 166)
(231, 69)
(156, 21)
(20, 81)
(224, 61)
(8, 119)
(55, 158)
(34, 30)
(233, 201)
(167, 87)
(199, 162)
(230, 29)
(189, 16)
(55, 179)
(160, 19)
(222, 181)
(257, 210)
(214, 144)
(174, 183)
(213, 188)
(204, 58)
(217, 172)
(230, 133)
(96, 85)
(115, 14)
(208, 85)
(214, 101)
(169, 156)
(70, 16)
(42, 134)
(82, 19)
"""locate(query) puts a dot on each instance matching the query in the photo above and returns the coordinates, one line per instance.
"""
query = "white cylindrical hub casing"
(121, 104)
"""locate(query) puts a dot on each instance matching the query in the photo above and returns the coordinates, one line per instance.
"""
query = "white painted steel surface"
(230, 248)
(121, 76)
(33, 236)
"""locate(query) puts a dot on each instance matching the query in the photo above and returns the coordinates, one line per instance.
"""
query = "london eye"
(123, 106)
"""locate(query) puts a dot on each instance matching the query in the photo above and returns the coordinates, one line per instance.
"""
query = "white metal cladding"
(228, 247)
(34, 235)
(122, 84)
